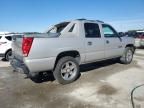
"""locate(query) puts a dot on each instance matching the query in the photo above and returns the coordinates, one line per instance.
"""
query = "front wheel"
(127, 56)
(66, 70)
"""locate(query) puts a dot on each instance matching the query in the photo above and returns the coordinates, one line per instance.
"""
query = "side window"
(72, 28)
(92, 30)
(9, 38)
(53, 30)
(109, 31)
(0, 37)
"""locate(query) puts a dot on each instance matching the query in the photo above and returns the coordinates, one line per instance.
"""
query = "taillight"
(140, 37)
(26, 45)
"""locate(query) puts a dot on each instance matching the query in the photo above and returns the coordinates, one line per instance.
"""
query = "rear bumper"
(34, 66)
(19, 66)
(142, 43)
(2, 55)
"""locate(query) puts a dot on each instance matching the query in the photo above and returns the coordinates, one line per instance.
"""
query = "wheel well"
(8, 51)
(131, 45)
(73, 53)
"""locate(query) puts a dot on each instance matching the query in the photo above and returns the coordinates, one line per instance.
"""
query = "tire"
(127, 56)
(34, 77)
(66, 70)
(8, 55)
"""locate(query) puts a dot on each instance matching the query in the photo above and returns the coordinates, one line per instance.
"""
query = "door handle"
(120, 46)
(107, 41)
(89, 43)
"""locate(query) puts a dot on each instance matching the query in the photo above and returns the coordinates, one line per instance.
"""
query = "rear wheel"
(66, 70)
(127, 56)
(8, 55)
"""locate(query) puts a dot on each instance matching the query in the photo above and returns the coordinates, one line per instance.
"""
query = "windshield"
(58, 28)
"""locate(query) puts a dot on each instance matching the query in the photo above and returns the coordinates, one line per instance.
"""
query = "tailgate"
(17, 47)
(18, 40)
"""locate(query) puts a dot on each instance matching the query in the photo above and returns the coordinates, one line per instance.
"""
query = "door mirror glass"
(121, 34)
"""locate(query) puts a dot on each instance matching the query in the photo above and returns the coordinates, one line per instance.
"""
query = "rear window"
(72, 28)
(58, 28)
(9, 38)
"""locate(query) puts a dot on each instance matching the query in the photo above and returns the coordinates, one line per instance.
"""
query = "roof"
(11, 34)
(3, 33)
(83, 19)
(140, 31)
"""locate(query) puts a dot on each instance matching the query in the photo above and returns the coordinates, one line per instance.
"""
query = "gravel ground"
(106, 84)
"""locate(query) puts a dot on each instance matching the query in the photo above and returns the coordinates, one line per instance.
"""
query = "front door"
(113, 43)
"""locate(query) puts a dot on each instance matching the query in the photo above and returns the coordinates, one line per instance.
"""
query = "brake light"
(141, 37)
(26, 45)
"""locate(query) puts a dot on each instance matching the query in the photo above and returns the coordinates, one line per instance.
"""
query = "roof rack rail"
(81, 19)
(100, 21)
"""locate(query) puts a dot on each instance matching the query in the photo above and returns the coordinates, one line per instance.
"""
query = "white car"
(139, 40)
(5, 45)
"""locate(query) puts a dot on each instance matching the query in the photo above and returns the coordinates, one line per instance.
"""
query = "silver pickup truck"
(67, 45)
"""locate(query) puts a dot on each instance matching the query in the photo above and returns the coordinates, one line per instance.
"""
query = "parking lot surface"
(106, 84)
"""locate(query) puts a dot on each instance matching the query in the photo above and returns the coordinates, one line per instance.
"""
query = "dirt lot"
(105, 84)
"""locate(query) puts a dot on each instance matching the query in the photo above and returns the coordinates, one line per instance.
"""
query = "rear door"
(94, 42)
(113, 43)
(5, 43)
(9, 41)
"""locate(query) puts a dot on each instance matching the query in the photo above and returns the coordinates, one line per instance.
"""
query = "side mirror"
(121, 34)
